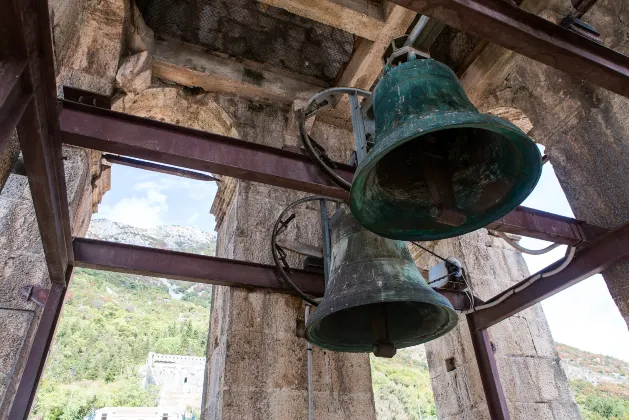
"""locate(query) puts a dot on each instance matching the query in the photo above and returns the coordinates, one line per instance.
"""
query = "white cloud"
(144, 201)
(145, 211)
(193, 219)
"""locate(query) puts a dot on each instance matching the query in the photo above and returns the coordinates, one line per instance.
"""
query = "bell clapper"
(439, 180)
(383, 347)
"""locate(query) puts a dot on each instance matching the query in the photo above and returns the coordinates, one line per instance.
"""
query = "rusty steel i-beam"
(594, 258)
(142, 138)
(154, 262)
(511, 27)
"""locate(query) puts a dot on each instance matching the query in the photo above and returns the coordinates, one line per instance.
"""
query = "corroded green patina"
(492, 164)
(368, 270)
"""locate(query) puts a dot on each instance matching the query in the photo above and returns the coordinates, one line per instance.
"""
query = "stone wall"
(256, 359)
(533, 380)
(22, 262)
(585, 130)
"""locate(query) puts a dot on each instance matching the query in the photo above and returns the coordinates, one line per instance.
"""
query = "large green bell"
(375, 299)
(439, 168)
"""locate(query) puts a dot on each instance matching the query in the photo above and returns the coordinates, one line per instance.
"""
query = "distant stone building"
(136, 413)
(180, 379)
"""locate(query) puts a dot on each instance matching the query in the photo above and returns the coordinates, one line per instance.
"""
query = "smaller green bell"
(438, 168)
(375, 299)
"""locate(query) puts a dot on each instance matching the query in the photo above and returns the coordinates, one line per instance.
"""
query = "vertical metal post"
(309, 350)
(25, 395)
(358, 126)
(325, 235)
(494, 394)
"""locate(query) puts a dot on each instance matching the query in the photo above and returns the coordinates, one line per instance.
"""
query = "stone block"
(18, 222)
(565, 410)
(515, 338)
(8, 156)
(14, 326)
(18, 271)
(533, 379)
(532, 410)
(17, 188)
(134, 74)
(138, 35)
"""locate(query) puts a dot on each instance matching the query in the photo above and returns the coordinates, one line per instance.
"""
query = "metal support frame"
(496, 402)
(511, 27)
(154, 262)
(594, 258)
(28, 101)
(156, 167)
(32, 102)
(142, 138)
(36, 361)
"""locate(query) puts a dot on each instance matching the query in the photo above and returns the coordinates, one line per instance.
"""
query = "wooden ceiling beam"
(362, 18)
(183, 64)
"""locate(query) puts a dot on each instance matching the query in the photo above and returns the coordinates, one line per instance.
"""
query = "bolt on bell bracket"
(401, 51)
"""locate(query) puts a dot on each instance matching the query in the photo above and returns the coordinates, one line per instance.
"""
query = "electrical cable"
(319, 156)
(527, 282)
(280, 227)
(526, 250)
(428, 251)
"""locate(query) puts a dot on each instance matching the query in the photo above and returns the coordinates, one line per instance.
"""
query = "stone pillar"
(585, 130)
(256, 360)
(22, 262)
(534, 383)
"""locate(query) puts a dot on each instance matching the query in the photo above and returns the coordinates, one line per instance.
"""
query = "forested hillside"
(111, 322)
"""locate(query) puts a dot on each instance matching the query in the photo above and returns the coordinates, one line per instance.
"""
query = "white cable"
(526, 250)
(527, 283)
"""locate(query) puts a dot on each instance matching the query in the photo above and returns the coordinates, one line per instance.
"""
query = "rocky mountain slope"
(176, 238)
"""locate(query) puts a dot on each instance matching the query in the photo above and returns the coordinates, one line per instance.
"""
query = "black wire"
(429, 251)
(440, 278)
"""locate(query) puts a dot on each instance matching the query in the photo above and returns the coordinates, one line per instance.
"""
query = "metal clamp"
(36, 294)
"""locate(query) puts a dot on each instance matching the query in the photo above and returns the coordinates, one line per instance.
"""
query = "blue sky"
(582, 316)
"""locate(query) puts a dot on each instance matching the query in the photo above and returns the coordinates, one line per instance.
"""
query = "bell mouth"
(352, 330)
(489, 165)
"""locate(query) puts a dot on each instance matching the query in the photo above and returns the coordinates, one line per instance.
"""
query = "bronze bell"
(375, 299)
(438, 168)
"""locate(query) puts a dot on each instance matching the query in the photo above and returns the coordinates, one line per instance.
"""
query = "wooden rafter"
(359, 17)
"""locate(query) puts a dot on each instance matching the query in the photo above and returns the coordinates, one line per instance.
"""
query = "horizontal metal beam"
(143, 138)
(594, 258)
(156, 167)
(155, 262)
(511, 27)
(546, 226)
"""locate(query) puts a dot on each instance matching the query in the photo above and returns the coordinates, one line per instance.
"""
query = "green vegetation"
(110, 322)
(402, 387)
(602, 402)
